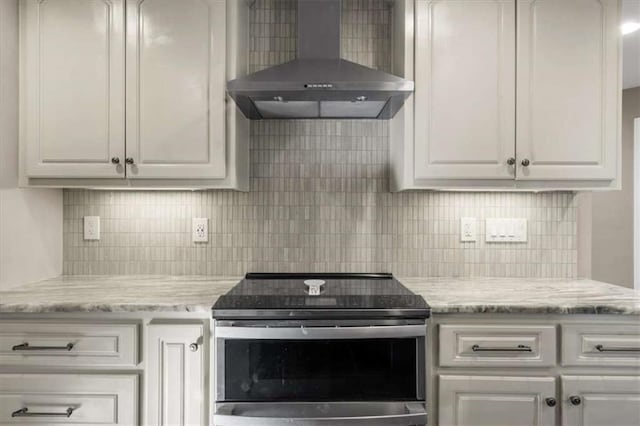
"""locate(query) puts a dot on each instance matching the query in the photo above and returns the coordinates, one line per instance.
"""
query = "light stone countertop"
(146, 293)
(198, 293)
(524, 295)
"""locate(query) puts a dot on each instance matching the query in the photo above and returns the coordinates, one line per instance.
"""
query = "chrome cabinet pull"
(601, 348)
(24, 412)
(26, 347)
(193, 347)
(526, 162)
(129, 160)
(551, 402)
(520, 348)
(115, 160)
(511, 161)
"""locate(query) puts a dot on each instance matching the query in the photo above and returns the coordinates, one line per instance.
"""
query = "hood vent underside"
(319, 84)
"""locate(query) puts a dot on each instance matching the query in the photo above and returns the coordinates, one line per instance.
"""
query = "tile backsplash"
(319, 198)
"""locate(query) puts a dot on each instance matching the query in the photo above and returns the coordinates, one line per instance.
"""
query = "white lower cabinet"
(601, 400)
(93, 372)
(534, 370)
(497, 401)
(70, 399)
(176, 374)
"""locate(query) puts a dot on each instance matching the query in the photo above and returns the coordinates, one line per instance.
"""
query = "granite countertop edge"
(144, 294)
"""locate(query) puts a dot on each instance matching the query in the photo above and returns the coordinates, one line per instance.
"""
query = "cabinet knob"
(129, 160)
(526, 162)
(115, 160)
(575, 400)
(551, 402)
(193, 347)
(511, 161)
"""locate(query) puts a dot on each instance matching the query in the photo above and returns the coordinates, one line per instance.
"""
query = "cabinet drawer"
(45, 399)
(488, 345)
(68, 343)
(611, 345)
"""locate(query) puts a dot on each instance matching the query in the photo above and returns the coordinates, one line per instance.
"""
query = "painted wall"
(612, 212)
(30, 219)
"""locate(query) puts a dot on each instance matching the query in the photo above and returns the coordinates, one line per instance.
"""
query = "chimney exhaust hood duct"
(319, 84)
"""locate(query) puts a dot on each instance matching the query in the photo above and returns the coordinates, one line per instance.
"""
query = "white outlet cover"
(200, 229)
(92, 228)
(468, 229)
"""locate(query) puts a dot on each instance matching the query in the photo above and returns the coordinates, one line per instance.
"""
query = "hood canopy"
(319, 84)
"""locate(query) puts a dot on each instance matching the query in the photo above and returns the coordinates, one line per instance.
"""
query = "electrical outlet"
(200, 230)
(506, 231)
(468, 229)
(92, 227)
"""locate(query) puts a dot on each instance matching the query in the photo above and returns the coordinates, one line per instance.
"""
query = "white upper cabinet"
(465, 89)
(510, 94)
(568, 89)
(176, 89)
(171, 127)
(72, 88)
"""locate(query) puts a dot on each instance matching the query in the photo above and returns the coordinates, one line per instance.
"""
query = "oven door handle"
(415, 414)
(317, 333)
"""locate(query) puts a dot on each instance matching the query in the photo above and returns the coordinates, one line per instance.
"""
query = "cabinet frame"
(231, 18)
(404, 175)
(557, 371)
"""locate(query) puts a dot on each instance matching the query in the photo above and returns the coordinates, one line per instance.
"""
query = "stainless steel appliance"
(318, 83)
(320, 349)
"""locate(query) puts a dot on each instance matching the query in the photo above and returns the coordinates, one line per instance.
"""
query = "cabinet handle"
(115, 160)
(193, 347)
(511, 161)
(26, 347)
(520, 348)
(24, 412)
(551, 402)
(575, 400)
(601, 348)
(129, 160)
(526, 162)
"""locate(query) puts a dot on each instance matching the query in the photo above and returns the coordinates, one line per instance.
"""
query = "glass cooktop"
(308, 295)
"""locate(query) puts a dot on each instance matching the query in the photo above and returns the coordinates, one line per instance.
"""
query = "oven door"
(313, 374)
(327, 414)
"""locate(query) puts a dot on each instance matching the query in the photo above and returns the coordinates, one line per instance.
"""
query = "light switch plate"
(506, 231)
(468, 229)
(92, 228)
(200, 230)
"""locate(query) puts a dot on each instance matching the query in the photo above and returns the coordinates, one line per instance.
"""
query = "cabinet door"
(496, 401)
(176, 89)
(602, 400)
(465, 89)
(568, 89)
(176, 374)
(72, 88)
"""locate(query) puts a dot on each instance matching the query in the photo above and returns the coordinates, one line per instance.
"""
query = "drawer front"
(70, 399)
(487, 345)
(611, 345)
(68, 344)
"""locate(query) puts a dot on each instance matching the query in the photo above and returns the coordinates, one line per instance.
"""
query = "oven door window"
(321, 370)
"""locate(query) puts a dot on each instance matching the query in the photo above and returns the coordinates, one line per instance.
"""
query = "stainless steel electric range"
(320, 349)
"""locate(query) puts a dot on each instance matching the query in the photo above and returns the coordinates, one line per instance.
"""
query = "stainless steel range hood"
(319, 84)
